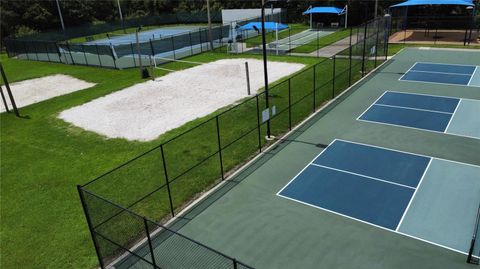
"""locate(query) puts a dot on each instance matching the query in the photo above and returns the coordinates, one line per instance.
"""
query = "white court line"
(419, 109)
(453, 115)
(365, 176)
(406, 72)
(371, 105)
(419, 129)
(440, 96)
(429, 82)
(413, 196)
(470, 65)
(474, 71)
(438, 72)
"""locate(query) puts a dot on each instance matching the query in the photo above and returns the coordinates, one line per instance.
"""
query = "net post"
(167, 181)
(9, 92)
(90, 226)
(150, 246)
(289, 105)
(219, 148)
(258, 124)
(333, 78)
(248, 77)
(314, 86)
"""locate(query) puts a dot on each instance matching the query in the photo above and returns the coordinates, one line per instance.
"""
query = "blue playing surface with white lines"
(426, 112)
(443, 74)
(366, 183)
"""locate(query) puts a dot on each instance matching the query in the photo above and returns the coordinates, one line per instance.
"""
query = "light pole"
(264, 50)
(60, 15)
(121, 15)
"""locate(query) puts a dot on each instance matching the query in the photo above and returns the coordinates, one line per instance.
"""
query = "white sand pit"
(32, 91)
(146, 110)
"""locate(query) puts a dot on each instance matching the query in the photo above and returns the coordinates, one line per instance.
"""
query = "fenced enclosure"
(128, 208)
(435, 29)
(78, 46)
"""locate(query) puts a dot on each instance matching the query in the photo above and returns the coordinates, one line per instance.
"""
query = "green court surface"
(245, 218)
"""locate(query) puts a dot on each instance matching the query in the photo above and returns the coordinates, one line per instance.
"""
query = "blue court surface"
(467, 75)
(143, 36)
(378, 186)
(426, 112)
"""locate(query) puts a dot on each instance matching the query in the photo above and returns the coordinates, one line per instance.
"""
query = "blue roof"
(268, 26)
(434, 2)
(331, 10)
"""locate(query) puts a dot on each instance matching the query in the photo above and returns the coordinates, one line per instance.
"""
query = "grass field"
(323, 41)
(43, 158)
(271, 37)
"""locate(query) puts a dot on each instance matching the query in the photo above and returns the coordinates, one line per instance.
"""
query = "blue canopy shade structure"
(329, 10)
(268, 26)
(434, 2)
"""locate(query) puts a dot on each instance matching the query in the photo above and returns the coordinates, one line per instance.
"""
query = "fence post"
(9, 92)
(167, 181)
(376, 42)
(113, 57)
(151, 48)
(173, 49)
(46, 50)
(364, 48)
(133, 53)
(60, 54)
(318, 43)
(314, 86)
(70, 52)
(98, 54)
(333, 78)
(289, 105)
(350, 60)
(147, 231)
(4, 100)
(219, 147)
(191, 45)
(35, 49)
(258, 125)
(26, 49)
(84, 54)
(90, 226)
(234, 263)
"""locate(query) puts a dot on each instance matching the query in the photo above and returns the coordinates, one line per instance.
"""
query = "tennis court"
(299, 39)
(144, 36)
(346, 192)
(454, 74)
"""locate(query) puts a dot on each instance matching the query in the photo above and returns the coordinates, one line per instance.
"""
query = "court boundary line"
(418, 109)
(453, 115)
(437, 72)
(414, 193)
(426, 94)
(471, 78)
(451, 84)
(361, 175)
(415, 128)
(365, 222)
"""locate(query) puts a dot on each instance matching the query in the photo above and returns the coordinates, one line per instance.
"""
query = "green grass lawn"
(271, 37)
(43, 158)
(394, 48)
(323, 41)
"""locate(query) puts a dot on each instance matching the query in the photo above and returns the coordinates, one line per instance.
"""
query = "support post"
(247, 72)
(314, 86)
(90, 226)
(289, 105)
(84, 54)
(149, 240)
(164, 162)
(364, 48)
(333, 78)
(350, 60)
(9, 92)
(258, 125)
(219, 148)
(4, 100)
(173, 49)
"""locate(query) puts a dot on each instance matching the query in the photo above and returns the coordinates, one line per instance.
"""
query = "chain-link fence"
(92, 46)
(127, 207)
